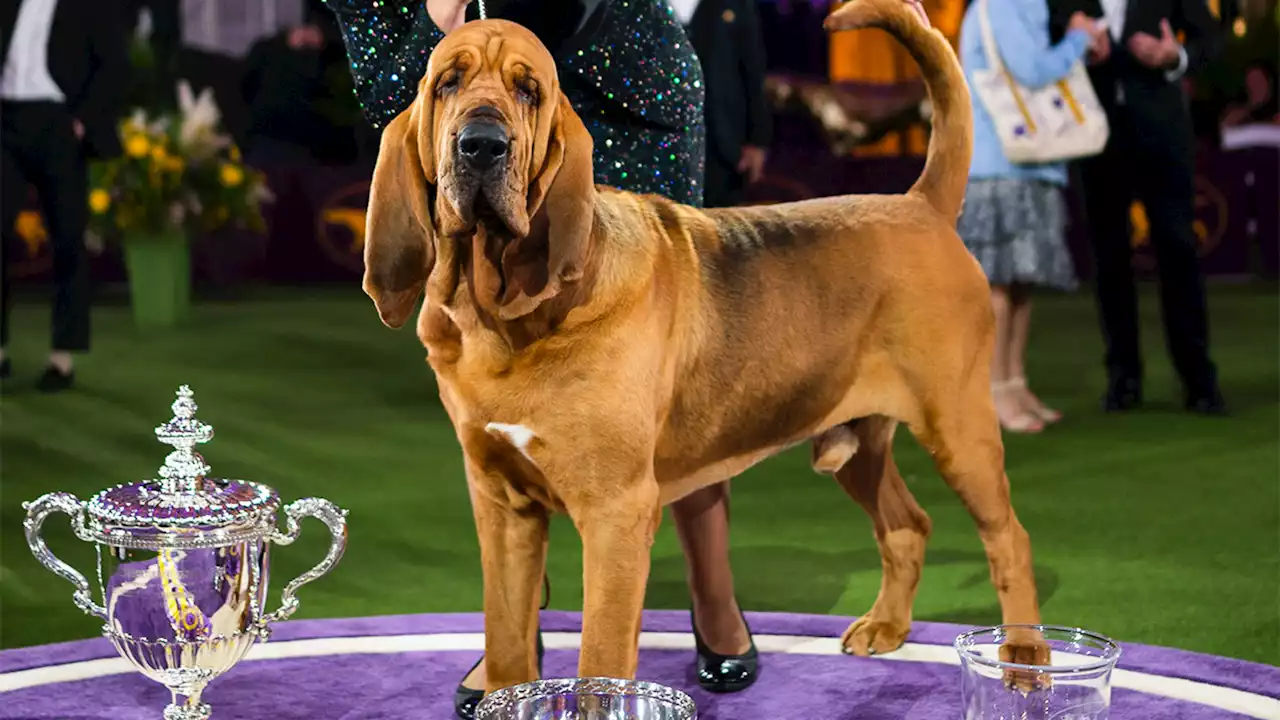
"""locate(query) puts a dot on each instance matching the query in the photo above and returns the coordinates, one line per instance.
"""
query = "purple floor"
(419, 684)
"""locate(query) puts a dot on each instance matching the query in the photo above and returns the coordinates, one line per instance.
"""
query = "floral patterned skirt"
(1017, 231)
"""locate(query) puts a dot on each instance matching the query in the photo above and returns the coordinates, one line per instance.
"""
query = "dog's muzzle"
(483, 145)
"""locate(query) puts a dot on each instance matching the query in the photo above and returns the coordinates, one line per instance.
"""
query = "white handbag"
(1060, 121)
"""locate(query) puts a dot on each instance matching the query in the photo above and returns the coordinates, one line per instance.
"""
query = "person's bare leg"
(1009, 407)
(1019, 332)
(702, 521)
(1000, 358)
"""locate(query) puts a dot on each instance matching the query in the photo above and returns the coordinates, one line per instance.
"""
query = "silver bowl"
(587, 699)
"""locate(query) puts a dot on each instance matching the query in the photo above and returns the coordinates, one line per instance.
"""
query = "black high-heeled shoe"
(466, 699)
(725, 673)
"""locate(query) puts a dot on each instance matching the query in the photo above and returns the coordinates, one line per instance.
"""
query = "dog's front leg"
(513, 554)
(617, 534)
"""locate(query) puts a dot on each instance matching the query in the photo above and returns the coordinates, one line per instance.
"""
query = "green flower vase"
(159, 266)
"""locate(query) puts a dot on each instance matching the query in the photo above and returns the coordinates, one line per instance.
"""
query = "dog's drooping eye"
(448, 83)
(526, 91)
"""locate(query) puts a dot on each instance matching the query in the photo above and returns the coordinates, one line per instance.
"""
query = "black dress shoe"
(1207, 402)
(465, 699)
(54, 380)
(1123, 394)
(725, 673)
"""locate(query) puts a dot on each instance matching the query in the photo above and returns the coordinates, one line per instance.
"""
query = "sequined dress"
(630, 73)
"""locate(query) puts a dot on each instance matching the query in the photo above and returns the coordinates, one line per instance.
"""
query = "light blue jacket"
(1021, 30)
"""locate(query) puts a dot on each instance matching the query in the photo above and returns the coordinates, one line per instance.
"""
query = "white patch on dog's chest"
(519, 436)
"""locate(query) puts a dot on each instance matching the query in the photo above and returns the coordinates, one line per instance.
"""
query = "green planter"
(159, 266)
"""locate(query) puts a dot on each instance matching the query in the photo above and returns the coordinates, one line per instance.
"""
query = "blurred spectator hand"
(1100, 48)
(1156, 53)
(1099, 40)
(1082, 22)
(306, 37)
(78, 128)
(1257, 94)
(751, 163)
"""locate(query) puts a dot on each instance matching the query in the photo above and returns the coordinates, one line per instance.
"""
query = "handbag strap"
(989, 38)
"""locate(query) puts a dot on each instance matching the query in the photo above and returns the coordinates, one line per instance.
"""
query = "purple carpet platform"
(405, 667)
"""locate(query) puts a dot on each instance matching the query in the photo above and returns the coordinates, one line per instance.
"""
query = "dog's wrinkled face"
(490, 161)
(489, 92)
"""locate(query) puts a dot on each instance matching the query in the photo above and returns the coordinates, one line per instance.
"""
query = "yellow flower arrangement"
(178, 171)
(137, 146)
(230, 175)
(99, 201)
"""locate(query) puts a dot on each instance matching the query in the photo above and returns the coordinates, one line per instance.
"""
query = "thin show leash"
(483, 14)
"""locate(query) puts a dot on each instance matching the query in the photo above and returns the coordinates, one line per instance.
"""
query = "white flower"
(140, 123)
(199, 116)
(259, 193)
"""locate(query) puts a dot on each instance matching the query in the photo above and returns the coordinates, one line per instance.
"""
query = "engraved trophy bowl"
(182, 562)
(587, 699)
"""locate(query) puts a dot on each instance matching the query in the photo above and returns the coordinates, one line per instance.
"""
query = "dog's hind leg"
(963, 436)
(901, 527)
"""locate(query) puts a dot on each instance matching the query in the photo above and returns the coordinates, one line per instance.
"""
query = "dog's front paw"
(870, 636)
(1027, 648)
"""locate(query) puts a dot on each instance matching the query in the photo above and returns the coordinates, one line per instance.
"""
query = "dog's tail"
(946, 167)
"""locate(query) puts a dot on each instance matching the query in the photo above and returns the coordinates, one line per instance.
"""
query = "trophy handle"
(37, 511)
(332, 516)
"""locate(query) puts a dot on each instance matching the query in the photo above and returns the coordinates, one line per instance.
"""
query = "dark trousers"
(723, 185)
(38, 147)
(1142, 164)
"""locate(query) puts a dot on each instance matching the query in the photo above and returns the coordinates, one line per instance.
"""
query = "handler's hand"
(448, 14)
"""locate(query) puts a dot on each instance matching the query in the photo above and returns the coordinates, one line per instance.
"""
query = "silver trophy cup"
(587, 699)
(183, 563)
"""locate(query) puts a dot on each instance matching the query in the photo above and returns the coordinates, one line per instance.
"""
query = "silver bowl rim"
(1111, 648)
(562, 686)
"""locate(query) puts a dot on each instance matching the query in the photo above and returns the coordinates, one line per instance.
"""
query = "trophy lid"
(183, 507)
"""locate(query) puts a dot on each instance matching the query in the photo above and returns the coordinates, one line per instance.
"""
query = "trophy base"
(198, 711)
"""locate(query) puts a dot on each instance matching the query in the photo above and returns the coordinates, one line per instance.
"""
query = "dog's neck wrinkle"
(548, 319)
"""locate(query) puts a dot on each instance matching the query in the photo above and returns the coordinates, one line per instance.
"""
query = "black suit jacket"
(89, 60)
(1156, 105)
(726, 35)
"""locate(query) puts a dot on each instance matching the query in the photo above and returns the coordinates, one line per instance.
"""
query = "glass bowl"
(1074, 685)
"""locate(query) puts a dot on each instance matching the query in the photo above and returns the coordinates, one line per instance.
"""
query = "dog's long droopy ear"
(399, 249)
(561, 205)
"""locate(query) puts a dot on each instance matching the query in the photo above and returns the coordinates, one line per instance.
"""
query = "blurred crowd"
(295, 100)
(286, 92)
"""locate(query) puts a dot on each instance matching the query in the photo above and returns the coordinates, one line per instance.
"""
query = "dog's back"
(808, 310)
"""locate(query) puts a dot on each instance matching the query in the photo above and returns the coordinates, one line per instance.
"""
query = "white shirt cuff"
(1177, 73)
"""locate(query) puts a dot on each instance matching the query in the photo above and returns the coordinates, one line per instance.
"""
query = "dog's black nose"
(483, 144)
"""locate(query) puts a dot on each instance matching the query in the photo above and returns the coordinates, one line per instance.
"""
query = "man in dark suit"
(727, 38)
(61, 93)
(286, 85)
(1138, 77)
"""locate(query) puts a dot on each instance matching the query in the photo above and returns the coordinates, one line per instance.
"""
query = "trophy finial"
(183, 468)
(184, 408)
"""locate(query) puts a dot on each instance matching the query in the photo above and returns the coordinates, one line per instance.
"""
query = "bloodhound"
(603, 354)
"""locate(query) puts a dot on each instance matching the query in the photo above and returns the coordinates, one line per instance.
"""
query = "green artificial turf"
(1155, 527)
